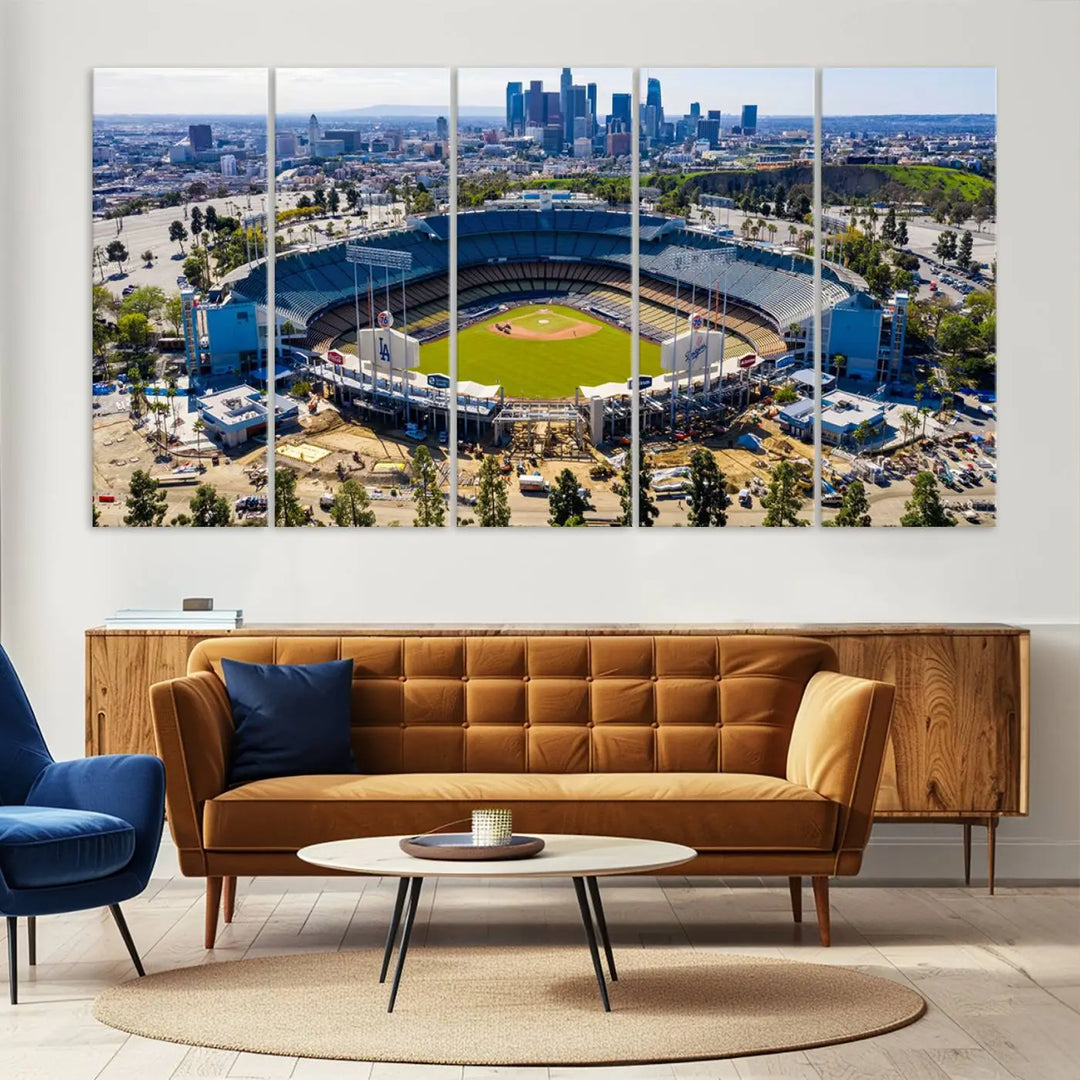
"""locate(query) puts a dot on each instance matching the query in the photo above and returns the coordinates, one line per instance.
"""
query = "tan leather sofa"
(749, 748)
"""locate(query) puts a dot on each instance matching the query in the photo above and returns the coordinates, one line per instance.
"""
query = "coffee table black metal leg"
(395, 922)
(406, 933)
(590, 934)
(601, 925)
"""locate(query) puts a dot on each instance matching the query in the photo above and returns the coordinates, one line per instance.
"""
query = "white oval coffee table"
(581, 858)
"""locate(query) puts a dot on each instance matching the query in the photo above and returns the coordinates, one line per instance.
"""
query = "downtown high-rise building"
(313, 132)
(514, 106)
(200, 137)
(749, 119)
(619, 119)
(534, 104)
(442, 128)
(566, 108)
(653, 98)
(590, 93)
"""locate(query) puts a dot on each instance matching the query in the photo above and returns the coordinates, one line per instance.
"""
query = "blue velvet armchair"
(73, 834)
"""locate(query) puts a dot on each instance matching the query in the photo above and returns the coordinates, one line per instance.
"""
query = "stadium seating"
(583, 254)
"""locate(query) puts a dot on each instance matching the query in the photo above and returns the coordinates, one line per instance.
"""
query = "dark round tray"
(458, 847)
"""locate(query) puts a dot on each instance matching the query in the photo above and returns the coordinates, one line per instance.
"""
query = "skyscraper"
(512, 88)
(566, 110)
(590, 89)
(695, 109)
(620, 115)
(313, 134)
(200, 137)
(749, 119)
(653, 98)
(534, 103)
(442, 128)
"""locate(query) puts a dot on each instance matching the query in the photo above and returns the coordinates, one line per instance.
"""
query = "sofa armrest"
(837, 748)
(193, 727)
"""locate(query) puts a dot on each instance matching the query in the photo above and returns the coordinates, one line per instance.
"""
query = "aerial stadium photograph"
(909, 394)
(727, 294)
(361, 287)
(544, 298)
(179, 415)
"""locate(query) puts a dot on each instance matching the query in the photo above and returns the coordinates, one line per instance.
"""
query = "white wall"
(60, 576)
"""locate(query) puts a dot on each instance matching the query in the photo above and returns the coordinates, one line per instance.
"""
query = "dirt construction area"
(120, 447)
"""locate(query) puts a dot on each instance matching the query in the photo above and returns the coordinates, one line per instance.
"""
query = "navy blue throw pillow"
(290, 719)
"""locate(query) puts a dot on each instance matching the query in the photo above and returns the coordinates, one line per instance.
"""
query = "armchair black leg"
(121, 925)
(13, 958)
(31, 938)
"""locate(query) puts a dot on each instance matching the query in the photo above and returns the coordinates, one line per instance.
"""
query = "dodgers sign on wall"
(696, 322)
(385, 320)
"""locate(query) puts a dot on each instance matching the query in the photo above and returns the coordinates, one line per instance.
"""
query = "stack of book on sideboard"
(175, 619)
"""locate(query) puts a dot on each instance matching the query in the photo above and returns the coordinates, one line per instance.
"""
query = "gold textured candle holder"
(492, 828)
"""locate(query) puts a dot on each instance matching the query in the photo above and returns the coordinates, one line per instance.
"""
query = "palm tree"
(744, 228)
(198, 427)
(924, 412)
(772, 233)
(792, 232)
(754, 230)
(908, 422)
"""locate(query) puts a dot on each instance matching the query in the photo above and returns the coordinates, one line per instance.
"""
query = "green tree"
(333, 200)
(708, 499)
(565, 502)
(647, 508)
(209, 509)
(146, 300)
(148, 257)
(945, 248)
(289, 512)
(888, 226)
(428, 499)
(956, 333)
(174, 313)
(492, 505)
(783, 502)
(352, 506)
(854, 509)
(785, 395)
(117, 253)
(133, 330)
(839, 363)
(196, 221)
(963, 251)
(195, 272)
(101, 300)
(213, 222)
(924, 508)
(879, 279)
(146, 504)
(901, 234)
(178, 234)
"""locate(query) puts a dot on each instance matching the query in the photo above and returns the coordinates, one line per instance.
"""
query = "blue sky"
(776, 91)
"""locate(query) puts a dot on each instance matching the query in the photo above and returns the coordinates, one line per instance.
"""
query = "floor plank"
(1001, 974)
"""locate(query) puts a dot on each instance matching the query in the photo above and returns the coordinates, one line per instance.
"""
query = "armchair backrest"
(23, 753)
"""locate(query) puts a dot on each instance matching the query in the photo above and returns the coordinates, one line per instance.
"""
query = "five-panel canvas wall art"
(578, 297)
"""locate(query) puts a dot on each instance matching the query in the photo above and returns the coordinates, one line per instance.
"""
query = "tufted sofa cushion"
(559, 704)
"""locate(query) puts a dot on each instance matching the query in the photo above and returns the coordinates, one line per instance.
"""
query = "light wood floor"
(1001, 974)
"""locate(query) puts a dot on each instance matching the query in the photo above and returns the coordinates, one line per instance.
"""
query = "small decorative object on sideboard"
(492, 828)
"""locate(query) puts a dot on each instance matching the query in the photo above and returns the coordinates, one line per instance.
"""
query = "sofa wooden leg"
(213, 906)
(229, 894)
(821, 902)
(795, 885)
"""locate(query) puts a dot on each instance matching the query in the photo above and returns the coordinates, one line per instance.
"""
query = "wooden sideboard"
(959, 746)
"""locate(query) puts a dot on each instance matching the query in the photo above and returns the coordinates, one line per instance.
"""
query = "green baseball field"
(541, 351)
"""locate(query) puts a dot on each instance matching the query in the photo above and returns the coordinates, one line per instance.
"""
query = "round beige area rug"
(511, 1006)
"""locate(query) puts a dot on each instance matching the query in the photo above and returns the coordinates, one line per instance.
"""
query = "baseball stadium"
(544, 308)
